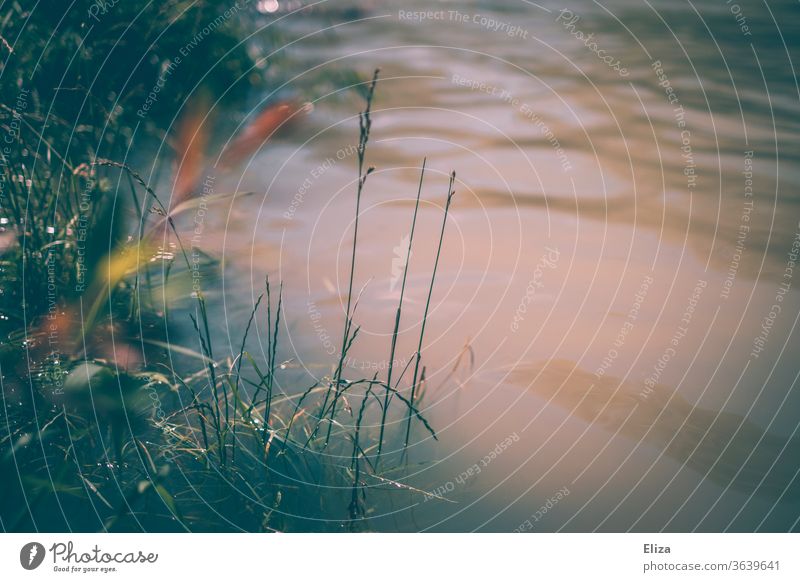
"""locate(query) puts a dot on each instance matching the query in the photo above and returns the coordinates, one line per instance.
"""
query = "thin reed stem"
(239, 369)
(450, 193)
(397, 315)
(355, 508)
(272, 358)
(365, 125)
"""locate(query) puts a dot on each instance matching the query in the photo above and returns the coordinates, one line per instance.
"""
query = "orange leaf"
(260, 130)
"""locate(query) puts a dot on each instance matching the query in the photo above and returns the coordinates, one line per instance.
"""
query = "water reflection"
(725, 447)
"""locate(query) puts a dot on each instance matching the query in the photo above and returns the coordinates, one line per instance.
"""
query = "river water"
(612, 338)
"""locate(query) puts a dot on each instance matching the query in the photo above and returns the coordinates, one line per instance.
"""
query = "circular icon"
(31, 555)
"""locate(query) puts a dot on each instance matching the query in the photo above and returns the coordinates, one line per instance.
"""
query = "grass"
(365, 125)
(399, 314)
(418, 354)
(111, 422)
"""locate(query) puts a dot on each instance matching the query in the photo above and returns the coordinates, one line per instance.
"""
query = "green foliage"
(92, 70)
(107, 423)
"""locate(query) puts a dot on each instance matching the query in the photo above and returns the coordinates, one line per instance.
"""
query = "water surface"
(615, 247)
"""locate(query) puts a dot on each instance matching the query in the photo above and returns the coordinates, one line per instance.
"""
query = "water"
(619, 236)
